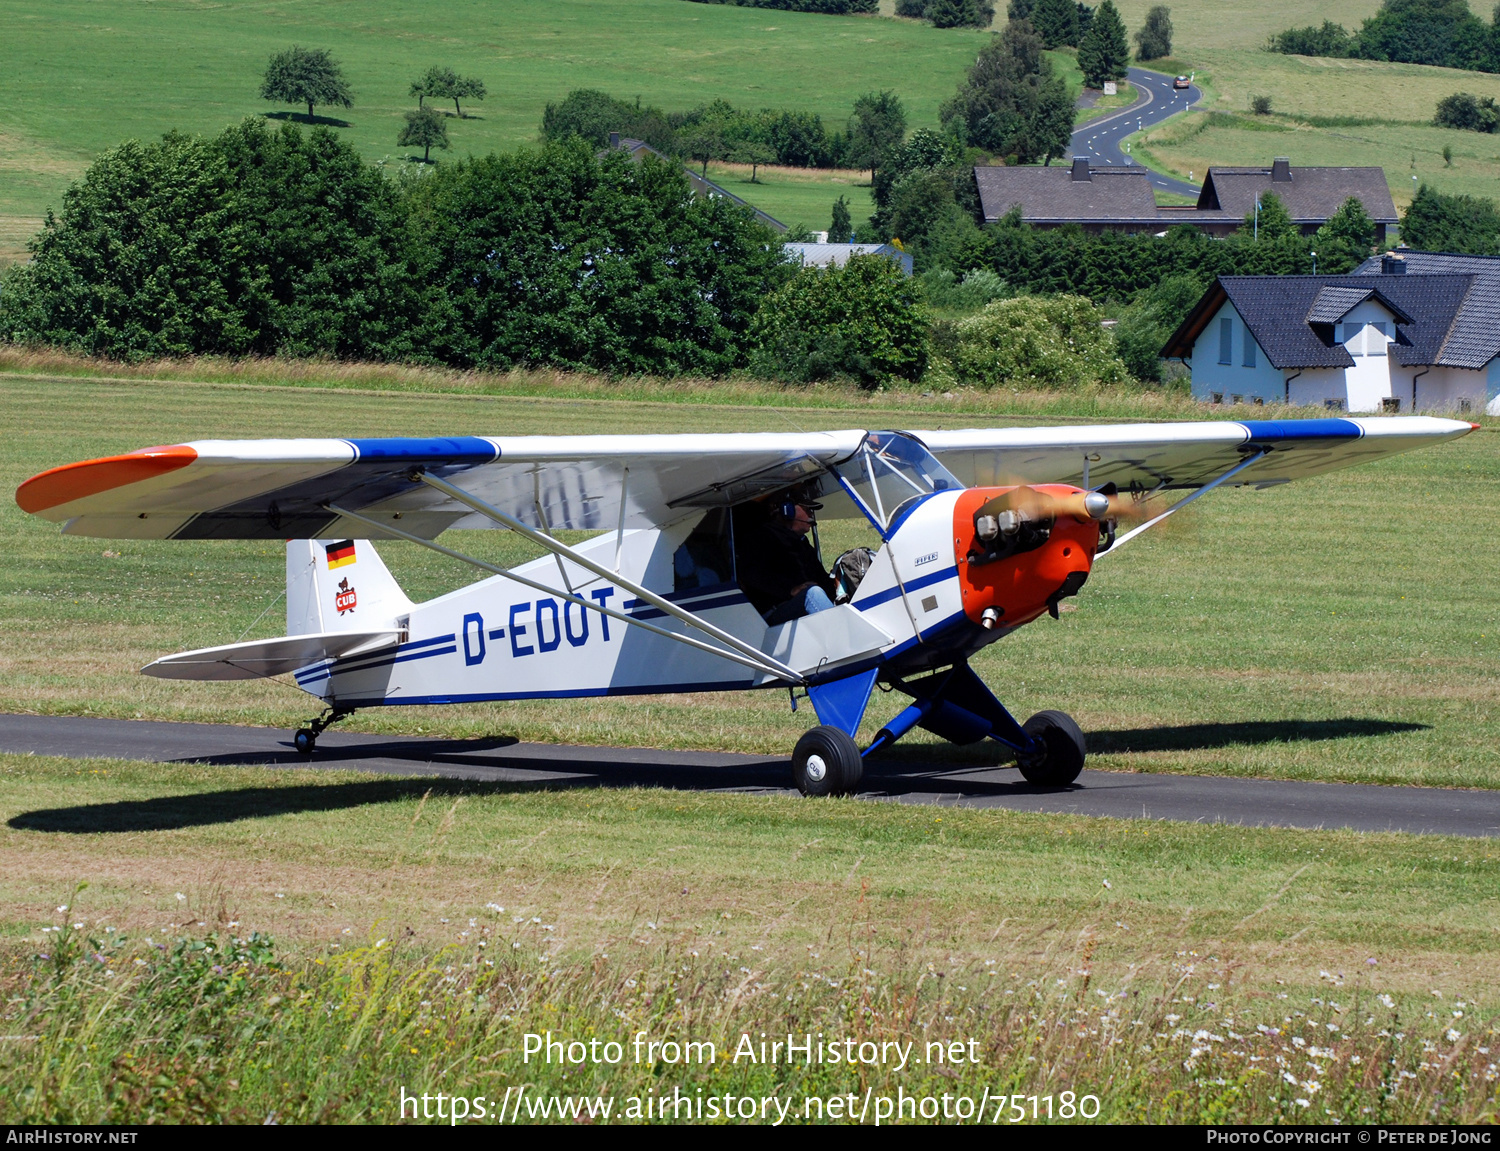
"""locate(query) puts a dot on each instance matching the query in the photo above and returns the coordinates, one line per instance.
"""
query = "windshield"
(890, 471)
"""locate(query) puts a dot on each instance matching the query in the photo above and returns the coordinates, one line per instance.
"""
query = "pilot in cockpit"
(778, 567)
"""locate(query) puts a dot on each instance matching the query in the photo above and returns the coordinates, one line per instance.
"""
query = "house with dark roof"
(1405, 332)
(1097, 199)
(825, 255)
(1119, 197)
(1310, 196)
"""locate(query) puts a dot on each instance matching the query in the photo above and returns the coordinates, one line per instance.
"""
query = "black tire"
(305, 740)
(826, 761)
(1060, 763)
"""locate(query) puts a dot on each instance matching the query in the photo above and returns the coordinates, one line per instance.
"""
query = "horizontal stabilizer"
(259, 658)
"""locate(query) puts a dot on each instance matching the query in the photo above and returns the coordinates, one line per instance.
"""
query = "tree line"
(274, 241)
(1445, 33)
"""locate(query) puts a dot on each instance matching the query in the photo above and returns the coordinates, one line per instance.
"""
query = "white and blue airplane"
(980, 532)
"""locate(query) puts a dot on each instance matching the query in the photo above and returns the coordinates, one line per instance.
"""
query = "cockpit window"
(890, 471)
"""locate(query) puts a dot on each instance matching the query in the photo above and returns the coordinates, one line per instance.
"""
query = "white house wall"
(1366, 333)
(1262, 382)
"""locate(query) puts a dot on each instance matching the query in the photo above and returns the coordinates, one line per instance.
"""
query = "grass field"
(1333, 630)
(138, 68)
(798, 196)
(1175, 972)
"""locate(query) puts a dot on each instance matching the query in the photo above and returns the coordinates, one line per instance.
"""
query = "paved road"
(1100, 139)
(1250, 802)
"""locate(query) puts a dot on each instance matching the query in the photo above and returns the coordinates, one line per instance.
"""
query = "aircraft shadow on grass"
(460, 767)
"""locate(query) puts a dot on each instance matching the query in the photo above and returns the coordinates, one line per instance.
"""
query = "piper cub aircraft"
(980, 532)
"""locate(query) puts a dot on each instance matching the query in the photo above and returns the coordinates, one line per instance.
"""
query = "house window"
(1249, 360)
(1236, 399)
(1376, 338)
(1259, 401)
(1226, 341)
(1465, 406)
(1334, 405)
(1390, 404)
(1217, 397)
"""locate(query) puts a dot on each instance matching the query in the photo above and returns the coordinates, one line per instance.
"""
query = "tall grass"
(216, 1027)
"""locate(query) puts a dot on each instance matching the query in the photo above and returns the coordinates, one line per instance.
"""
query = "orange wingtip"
(72, 482)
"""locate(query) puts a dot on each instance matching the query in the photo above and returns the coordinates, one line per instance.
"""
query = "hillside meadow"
(138, 69)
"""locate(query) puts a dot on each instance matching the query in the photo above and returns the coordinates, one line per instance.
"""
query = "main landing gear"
(307, 737)
(956, 705)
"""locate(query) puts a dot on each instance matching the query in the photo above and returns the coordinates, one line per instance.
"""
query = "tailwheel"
(307, 737)
(1061, 758)
(826, 761)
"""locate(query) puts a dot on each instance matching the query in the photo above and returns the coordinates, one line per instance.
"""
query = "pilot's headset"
(795, 499)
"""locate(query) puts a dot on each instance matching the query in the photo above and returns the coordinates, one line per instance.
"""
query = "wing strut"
(763, 664)
(562, 550)
(1182, 503)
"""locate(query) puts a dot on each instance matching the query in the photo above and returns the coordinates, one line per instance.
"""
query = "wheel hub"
(816, 768)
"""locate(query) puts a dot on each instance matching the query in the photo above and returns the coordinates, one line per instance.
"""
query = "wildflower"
(181, 897)
(1387, 1001)
(1453, 1036)
(63, 909)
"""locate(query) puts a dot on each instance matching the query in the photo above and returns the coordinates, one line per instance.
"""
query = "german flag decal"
(340, 554)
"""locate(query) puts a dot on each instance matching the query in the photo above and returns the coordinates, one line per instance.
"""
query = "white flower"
(181, 897)
(1453, 1036)
(1387, 1001)
(61, 910)
(1107, 884)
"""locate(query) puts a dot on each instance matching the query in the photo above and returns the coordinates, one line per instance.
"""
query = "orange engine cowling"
(1021, 549)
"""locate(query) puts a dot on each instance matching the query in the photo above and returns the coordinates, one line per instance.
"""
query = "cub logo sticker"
(345, 599)
(340, 554)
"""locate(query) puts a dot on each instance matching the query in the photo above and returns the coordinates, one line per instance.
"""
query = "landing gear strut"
(307, 737)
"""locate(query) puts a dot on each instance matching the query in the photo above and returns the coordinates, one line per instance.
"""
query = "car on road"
(1182, 82)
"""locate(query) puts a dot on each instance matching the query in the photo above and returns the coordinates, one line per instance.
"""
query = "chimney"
(614, 139)
(1392, 265)
(1281, 170)
(1081, 168)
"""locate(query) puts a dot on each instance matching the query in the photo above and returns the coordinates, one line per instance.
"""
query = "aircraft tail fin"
(340, 585)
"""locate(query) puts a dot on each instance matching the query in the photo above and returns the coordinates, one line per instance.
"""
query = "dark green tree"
(424, 129)
(261, 241)
(1272, 222)
(841, 228)
(305, 76)
(436, 82)
(751, 152)
(1436, 222)
(1153, 39)
(1012, 104)
(1104, 53)
(877, 125)
(1441, 32)
(1351, 224)
(1467, 112)
(1056, 21)
(864, 321)
(467, 88)
(556, 256)
(592, 114)
(703, 143)
(1329, 40)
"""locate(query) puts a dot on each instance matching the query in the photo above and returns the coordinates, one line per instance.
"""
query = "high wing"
(1138, 457)
(279, 489)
